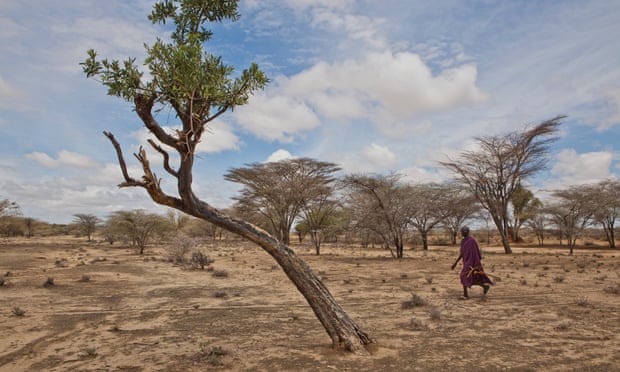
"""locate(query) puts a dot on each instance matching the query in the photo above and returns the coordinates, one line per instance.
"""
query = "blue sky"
(374, 86)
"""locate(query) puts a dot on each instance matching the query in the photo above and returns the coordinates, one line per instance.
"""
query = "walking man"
(472, 272)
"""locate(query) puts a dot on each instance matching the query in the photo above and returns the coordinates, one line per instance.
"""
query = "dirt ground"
(110, 309)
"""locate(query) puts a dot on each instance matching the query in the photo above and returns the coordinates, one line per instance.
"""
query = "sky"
(373, 86)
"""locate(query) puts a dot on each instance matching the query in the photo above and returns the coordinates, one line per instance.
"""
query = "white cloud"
(276, 117)
(278, 155)
(379, 155)
(415, 174)
(383, 85)
(64, 159)
(573, 168)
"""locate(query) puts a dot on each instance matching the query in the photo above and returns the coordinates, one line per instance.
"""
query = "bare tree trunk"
(424, 235)
(342, 330)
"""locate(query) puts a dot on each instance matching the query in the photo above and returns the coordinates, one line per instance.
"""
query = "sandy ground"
(110, 309)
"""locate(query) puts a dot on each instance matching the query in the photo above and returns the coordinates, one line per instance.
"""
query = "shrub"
(48, 282)
(562, 326)
(85, 278)
(220, 294)
(180, 248)
(414, 302)
(201, 260)
(582, 301)
(19, 311)
(220, 273)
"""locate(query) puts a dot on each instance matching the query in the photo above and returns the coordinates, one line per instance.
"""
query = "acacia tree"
(138, 227)
(537, 222)
(572, 212)
(461, 205)
(493, 171)
(9, 210)
(318, 217)
(87, 222)
(198, 87)
(381, 204)
(606, 198)
(524, 207)
(279, 191)
(429, 208)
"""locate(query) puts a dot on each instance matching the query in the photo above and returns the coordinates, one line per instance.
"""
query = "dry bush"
(180, 248)
(414, 302)
(220, 273)
(17, 311)
(48, 282)
(200, 260)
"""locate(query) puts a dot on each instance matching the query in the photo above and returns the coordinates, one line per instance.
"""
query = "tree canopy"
(493, 171)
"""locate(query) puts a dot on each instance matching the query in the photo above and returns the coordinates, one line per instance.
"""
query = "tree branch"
(166, 156)
(129, 181)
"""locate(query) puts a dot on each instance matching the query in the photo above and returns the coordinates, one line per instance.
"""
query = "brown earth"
(110, 309)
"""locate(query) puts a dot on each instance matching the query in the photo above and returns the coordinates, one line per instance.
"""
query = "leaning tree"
(493, 171)
(198, 87)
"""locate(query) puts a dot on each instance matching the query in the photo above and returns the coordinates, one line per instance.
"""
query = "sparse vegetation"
(48, 282)
(220, 294)
(219, 273)
(415, 301)
(583, 301)
(201, 260)
(17, 311)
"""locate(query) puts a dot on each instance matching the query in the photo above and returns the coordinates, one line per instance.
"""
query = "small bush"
(17, 311)
(201, 260)
(85, 278)
(559, 279)
(48, 282)
(220, 294)
(1, 281)
(90, 351)
(179, 248)
(562, 326)
(414, 302)
(220, 273)
(583, 301)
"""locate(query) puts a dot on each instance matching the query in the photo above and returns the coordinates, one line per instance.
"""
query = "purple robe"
(472, 272)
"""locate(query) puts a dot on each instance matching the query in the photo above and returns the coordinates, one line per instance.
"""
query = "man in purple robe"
(472, 272)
